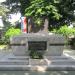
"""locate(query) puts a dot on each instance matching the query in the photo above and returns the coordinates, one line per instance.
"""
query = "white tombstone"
(1, 23)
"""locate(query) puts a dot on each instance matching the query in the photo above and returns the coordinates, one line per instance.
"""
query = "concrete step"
(36, 62)
(63, 67)
(62, 62)
(29, 68)
(19, 58)
(14, 67)
(56, 57)
(25, 63)
(53, 61)
(14, 62)
(69, 60)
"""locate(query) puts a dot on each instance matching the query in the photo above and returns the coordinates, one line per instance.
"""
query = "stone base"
(19, 63)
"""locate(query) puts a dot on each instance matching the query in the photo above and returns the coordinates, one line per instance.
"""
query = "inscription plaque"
(37, 45)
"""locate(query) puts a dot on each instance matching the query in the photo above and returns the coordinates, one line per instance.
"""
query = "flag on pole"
(24, 24)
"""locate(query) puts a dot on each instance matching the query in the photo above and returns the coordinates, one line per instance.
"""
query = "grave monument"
(50, 46)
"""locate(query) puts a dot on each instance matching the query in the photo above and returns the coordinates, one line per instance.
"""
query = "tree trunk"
(46, 25)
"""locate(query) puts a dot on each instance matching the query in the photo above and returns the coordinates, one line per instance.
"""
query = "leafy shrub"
(10, 33)
(65, 30)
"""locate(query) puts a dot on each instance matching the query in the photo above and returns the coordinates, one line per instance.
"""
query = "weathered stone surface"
(20, 50)
(54, 43)
(39, 62)
(58, 39)
(18, 40)
(11, 62)
(54, 51)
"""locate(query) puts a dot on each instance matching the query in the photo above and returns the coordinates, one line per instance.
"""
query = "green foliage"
(12, 32)
(55, 10)
(24, 5)
(35, 54)
(42, 8)
(65, 30)
(38, 21)
(67, 6)
(3, 11)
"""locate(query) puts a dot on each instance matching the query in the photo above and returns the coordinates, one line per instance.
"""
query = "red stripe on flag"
(25, 21)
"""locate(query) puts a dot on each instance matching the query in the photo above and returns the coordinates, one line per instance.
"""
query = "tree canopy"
(58, 11)
(55, 8)
(42, 8)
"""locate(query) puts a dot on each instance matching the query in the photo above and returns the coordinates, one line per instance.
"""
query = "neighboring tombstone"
(1, 26)
(1, 23)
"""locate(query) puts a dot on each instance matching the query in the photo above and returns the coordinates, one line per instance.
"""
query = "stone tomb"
(50, 44)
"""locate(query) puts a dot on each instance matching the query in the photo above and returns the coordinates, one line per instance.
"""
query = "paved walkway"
(69, 53)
